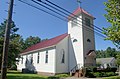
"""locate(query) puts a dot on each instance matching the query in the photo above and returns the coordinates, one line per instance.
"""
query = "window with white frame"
(38, 57)
(26, 59)
(21, 59)
(31, 59)
(46, 57)
(63, 56)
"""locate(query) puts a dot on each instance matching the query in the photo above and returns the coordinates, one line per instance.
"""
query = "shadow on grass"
(13, 72)
(20, 75)
(53, 77)
(29, 77)
(24, 77)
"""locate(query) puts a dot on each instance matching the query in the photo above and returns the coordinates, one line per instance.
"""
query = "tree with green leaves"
(109, 52)
(113, 17)
(15, 43)
(100, 54)
(118, 59)
(31, 41)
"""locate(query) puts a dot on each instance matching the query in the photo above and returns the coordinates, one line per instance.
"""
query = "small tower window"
(74, 22)
(88, 40)
(87, 21)
(75, 40)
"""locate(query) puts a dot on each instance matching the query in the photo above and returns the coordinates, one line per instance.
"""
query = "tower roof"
(78, 11)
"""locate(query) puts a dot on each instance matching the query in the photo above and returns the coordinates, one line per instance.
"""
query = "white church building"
(65, 52)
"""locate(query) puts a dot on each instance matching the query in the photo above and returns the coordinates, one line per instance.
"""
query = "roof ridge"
(80, 10)
(46, 43)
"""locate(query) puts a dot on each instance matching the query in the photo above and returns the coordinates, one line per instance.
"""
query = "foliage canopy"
(113, 17)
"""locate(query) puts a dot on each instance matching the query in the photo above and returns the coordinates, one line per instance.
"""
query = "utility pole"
(6, 41)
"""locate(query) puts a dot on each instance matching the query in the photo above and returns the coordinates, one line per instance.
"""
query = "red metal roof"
(79, 10)
(46, 43)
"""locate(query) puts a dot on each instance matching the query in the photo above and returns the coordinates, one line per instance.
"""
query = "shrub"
(92, 68)
(114, 77)
(95, 69)
(94, 72)
(114, 69)
(13, 67)
(110, 73)
(88, 70)
(90, 75)
(104, 74)
(97, 74)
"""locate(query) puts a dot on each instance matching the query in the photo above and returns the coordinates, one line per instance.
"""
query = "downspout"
(55, 67)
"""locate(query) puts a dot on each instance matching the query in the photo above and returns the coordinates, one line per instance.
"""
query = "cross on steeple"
(79, 3)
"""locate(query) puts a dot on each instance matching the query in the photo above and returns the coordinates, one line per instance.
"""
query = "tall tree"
(31, 41)
(109, 52)
(100, 54)
(15, 43)
(113, 17)
(118, 59)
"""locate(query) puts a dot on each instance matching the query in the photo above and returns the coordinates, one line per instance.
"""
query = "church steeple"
(79, 24)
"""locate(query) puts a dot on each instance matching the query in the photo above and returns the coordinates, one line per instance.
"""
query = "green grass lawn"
(19, 75)
(113, 77)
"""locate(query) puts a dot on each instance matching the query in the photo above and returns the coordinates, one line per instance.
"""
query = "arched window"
(46, 57)
(38, 58)
(31, 59)
(75, 40)
(63, 56)
(26, 59)
(88, 40)
(22, 60)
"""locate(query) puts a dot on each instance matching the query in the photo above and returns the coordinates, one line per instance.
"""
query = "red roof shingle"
(77, 11)
(46, 43)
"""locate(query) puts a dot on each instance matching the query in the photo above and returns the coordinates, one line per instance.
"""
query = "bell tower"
(81, 41)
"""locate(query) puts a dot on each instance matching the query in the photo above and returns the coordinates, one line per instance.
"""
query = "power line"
(53, 7)
(48, 8)
(63, 16)
(42, 10)
(64, 13)
(68, 11)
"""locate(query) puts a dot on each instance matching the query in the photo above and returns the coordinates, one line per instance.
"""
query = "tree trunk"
(119, 70)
